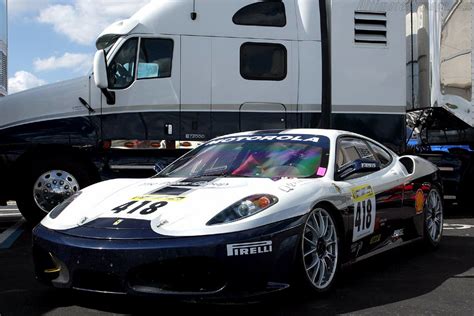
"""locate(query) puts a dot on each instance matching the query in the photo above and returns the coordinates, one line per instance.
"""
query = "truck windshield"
(262, 156)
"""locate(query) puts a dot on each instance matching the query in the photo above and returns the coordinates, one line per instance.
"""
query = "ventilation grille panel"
(3, 72)
(370, 28)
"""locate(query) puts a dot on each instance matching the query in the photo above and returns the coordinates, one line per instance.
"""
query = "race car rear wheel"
(434, 219)
(320, 250)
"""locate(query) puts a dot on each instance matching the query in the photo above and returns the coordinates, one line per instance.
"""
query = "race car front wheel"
(320, 250)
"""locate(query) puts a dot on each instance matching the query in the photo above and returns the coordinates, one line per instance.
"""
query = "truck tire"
(48, 183)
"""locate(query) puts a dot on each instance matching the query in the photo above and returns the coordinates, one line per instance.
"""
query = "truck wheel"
(48, 184)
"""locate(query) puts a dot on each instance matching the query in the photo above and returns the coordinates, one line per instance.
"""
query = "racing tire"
(48, 183)
(319, 252)
(433, 219)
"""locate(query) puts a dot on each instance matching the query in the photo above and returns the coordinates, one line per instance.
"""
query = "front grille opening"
(46, 266)
(97, 282)
(184, 275)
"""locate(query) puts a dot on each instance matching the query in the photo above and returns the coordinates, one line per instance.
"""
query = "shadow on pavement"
(393, 277)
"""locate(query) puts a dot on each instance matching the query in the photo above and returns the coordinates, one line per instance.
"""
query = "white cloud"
(75, 62)
(23, 80)
(83, 20)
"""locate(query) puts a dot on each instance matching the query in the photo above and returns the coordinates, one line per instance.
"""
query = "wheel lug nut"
(66, 187)
(49, 185)
(61, 182)
(55, 182)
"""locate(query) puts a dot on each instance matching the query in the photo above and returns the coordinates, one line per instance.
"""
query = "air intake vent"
(370, 28)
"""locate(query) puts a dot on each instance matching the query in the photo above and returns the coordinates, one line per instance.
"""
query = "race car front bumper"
(239, 264)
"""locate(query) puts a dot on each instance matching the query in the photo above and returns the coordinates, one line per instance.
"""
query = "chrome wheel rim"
(52, 188)
(434, 216)
(320, 249)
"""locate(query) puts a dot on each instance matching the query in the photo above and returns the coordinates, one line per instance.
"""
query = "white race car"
(243, 214)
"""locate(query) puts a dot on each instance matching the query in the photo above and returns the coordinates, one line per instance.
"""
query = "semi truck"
(180, 72)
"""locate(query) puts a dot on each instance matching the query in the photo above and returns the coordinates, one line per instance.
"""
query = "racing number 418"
(363, 215)
(364, 218)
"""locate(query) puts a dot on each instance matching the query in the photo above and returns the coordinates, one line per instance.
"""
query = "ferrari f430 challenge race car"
(243, 214)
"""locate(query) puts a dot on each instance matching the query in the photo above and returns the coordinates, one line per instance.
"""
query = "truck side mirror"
(100, 70)
(101, 76)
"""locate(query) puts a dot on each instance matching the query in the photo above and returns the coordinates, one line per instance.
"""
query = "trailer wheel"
(47, 184)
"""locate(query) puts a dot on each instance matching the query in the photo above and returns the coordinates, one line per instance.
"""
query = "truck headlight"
(55, 212)
(244, 208)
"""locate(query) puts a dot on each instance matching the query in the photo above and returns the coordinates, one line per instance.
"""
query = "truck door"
(144, 75)
(254, 84)
(196, 66)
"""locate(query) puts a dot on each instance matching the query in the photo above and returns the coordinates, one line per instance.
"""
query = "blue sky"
(53, 40)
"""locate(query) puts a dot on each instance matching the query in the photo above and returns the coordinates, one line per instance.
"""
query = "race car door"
(376, 197)
(144, 75)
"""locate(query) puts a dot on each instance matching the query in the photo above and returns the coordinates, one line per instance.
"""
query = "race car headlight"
(244, 208)
(55, 212)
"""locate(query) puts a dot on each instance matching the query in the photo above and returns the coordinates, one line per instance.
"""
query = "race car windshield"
(262, 156)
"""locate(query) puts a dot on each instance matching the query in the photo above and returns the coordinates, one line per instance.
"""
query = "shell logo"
(419, 201)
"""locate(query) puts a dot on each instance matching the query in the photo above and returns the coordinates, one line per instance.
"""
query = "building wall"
(3, 48)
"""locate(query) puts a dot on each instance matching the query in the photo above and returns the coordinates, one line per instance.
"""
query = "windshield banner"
(267, 138)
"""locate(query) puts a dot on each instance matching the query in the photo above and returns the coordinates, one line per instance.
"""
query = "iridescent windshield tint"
(260, 156)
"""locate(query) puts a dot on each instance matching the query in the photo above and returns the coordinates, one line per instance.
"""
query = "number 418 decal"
(140, 207)
(364, 211)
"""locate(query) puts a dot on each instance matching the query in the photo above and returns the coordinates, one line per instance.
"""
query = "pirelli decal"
(248, 249)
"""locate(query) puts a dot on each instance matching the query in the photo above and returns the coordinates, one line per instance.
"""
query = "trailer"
(180, 72)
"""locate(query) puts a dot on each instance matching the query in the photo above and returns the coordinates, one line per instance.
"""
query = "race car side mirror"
(358, 166)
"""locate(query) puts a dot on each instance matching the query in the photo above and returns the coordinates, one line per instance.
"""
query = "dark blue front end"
(112, 261)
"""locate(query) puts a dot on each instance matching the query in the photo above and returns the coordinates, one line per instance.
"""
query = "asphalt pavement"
(406, 281)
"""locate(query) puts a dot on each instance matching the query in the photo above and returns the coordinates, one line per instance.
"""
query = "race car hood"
(177, 207)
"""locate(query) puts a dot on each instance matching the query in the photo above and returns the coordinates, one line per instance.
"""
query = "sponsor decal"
(364, 211)
(201, 184)
(249, 249)
(356, 248)
(288, 187)
(321, 172)
(375, 239)
(161, 198)
(419, 201)
(362, 193)
(365, 165)
(118, 222)
(266, 138)
(397, 234)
